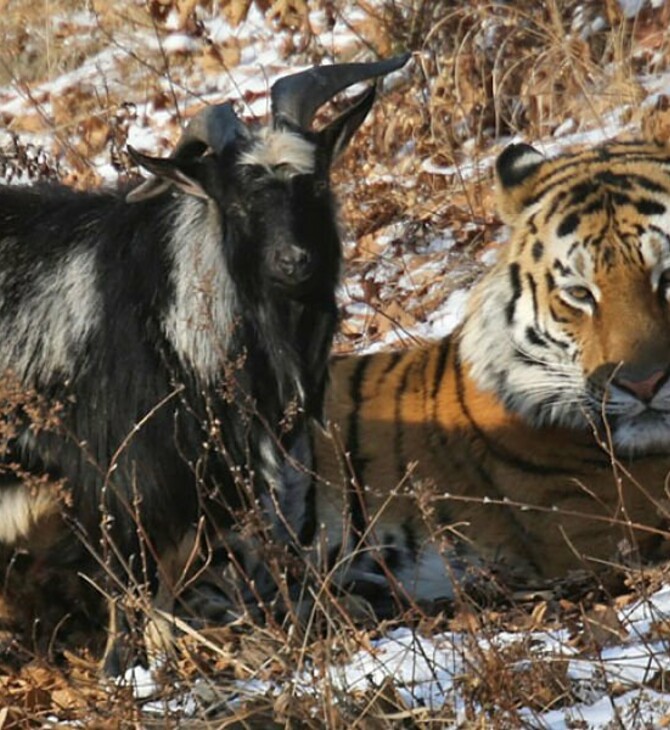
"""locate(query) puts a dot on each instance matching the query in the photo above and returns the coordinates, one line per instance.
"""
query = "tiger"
(536, 436)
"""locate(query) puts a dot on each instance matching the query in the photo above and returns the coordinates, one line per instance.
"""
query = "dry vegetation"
(484, 71)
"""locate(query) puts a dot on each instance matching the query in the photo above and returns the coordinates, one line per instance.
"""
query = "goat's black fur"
(125, 366)
(185, 336)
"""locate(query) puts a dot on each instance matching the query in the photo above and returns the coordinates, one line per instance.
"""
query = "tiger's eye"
(581, 294)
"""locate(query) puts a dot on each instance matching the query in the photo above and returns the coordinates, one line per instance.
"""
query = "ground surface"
(80, 80)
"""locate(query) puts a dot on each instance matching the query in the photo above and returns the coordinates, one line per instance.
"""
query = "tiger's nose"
(646, 388)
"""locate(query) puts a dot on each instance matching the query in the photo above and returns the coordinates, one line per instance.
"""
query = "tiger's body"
(536, 436)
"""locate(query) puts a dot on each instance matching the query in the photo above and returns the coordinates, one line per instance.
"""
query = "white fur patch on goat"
(199, 321)
(22, 507)
(278, 148)
(46, 334)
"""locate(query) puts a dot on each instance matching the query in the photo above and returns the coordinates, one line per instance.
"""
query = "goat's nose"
(645, 388)
(294, 263)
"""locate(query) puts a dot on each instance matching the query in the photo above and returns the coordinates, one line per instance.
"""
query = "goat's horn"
(296, 98)
(214, 127)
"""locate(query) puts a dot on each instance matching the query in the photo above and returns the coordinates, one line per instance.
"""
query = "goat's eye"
(284, 170)
(578, 296)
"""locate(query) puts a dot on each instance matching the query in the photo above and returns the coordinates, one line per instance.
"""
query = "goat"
(183, 330)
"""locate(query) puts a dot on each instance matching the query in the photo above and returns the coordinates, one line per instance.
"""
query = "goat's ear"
(335, 137)
(184, 173)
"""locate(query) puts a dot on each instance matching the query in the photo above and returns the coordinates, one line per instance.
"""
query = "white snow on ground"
(423, 669)
(426, 672)
(442, 322)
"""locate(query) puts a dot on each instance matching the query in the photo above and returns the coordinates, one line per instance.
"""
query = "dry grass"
(484, 71)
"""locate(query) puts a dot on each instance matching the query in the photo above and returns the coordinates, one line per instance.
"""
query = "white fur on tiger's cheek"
(655, 250)
(640, 436)
(654, 242)
(484, 346)
(638, 427)
(523, 358)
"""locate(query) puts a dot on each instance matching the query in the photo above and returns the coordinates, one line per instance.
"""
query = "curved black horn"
(296, 98)
(214, 127)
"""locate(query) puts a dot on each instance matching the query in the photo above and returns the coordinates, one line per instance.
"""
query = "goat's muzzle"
(291, 265)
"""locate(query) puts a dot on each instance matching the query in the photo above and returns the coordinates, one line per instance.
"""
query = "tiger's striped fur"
(536, 436)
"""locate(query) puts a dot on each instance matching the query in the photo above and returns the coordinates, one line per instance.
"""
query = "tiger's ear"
(515, 178)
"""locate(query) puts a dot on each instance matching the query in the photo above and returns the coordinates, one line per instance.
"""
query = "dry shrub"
(293, 14)
(495, 68)
(25, 162)
(492, 69)
(501, 681)
(36, 44)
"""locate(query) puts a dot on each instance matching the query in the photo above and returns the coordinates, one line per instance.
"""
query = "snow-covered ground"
(614, 684)
(425, 669)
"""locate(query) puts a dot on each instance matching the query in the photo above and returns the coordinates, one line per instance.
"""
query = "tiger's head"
(572, 325)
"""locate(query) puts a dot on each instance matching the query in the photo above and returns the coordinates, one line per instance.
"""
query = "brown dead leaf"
(289, 13)
(11, 718)
(214, 59)
(94, 135)
(38, 675)
(656, 121)
(349, 329)
(72, 104)
(624, 600)
(185, 8)
(67, 698)
(538, 614)
(235, 11)
(395, 315)
(465, 620)
(603, 627)
(32, 123)
(660, 629)
(371, 245)
(651, 24)
(36, 699)
(370, 290)
(368, 27)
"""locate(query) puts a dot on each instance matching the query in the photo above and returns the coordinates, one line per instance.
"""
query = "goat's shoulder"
(47, 198)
